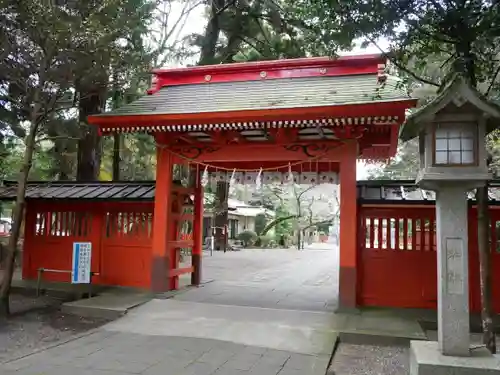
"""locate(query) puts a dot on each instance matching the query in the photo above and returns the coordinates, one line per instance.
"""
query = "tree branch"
(318, 223)
(493, 79)
(53, 138)
(402, 67)
(225, 7)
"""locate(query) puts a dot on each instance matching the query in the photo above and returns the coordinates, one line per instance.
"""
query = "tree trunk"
(62, 167)
(483, 233)
(116, 156)
(221, 215)
(89, 146)
(7, 268)
(464, 50)
(115, 104)
(211, 37)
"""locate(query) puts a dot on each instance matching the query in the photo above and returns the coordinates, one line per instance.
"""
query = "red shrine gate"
(317, 115)
(314, 116)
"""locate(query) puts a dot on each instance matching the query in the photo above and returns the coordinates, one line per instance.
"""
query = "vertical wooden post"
(160, 252)
(174, 235)
(348, 224)
(197, 232)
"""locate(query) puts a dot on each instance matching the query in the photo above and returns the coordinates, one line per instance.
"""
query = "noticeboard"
(82, 255)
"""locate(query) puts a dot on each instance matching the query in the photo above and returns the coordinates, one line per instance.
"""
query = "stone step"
(109, 305)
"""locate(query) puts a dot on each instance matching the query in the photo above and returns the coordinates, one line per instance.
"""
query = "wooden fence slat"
(379, 232)
(405, 234)
(422, 234)
(396, 233)
(372, 233)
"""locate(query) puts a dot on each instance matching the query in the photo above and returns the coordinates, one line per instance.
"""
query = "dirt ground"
(353, 359)
(37, 322)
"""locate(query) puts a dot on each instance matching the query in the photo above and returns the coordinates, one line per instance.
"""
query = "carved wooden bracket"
(193, 152)
(313, 150)
(349, 132)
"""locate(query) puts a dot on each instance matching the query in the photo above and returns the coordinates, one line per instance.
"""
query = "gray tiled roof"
(265, 94)
(376, 191)
(405, 191)
(82, 190)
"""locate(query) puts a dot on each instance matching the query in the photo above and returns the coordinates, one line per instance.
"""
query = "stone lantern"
(451, 131)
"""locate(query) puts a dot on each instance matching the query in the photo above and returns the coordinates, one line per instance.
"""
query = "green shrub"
(266, 241)
(248, 238)
(282, 240)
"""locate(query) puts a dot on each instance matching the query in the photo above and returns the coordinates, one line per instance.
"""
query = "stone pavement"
(222, 328)
(112, 353)
(274, 278)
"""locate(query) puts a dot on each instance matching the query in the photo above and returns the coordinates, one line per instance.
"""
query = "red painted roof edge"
(272, 69)
(390, 108)
(305, 62)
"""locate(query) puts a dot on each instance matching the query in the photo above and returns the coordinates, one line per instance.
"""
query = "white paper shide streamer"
(258, 180)
(204, 177)
(232, 182)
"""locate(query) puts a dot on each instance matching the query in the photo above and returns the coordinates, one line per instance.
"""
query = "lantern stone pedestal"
(452, 353)
(427, 359)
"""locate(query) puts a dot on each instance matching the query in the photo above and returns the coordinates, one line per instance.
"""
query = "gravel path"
(353, 359)
(37, 322)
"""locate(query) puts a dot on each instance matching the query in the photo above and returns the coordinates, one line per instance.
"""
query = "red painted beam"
(180, 244)
(326, 150)
(180, 271)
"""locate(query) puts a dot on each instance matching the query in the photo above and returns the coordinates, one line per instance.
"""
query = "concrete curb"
(376, 339)
(184, 289)
(329, 370)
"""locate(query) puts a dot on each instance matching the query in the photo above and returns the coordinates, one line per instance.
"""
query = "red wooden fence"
(397, 257)
(120, 234)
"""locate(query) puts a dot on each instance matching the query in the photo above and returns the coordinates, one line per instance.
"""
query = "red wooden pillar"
(348, 225)
(197, 232)
(160, 252)
(176, 209)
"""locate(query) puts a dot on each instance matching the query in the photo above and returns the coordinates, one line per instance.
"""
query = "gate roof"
(298, 93)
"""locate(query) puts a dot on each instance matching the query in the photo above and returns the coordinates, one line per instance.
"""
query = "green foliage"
(323, 228)
(248, 238)
(464, 35)
(260, 223)
(284, 226)
(429, 41)
(251, 30)
(266, 242)
(69, 46)
(137, 157)
(403, 167)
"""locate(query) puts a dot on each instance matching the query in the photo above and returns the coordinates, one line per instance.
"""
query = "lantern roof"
(457, 93)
